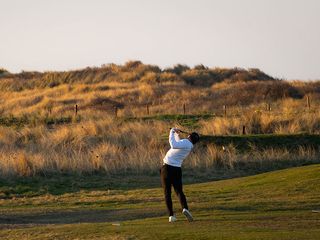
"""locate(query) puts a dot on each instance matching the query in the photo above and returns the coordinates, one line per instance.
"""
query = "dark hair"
(194, 137)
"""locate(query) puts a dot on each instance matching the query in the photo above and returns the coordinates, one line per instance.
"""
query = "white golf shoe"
(172, 219)
(187, 214)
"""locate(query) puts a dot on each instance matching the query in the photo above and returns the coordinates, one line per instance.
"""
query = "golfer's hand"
(177, 130)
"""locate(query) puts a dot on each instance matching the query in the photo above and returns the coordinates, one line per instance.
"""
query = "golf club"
(182, 131)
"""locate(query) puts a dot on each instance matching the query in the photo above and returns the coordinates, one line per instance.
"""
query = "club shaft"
(181, 131)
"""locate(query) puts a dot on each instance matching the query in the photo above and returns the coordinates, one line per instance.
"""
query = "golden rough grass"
(263, 123)
(98, 142)
(113, 146)
(99, 145)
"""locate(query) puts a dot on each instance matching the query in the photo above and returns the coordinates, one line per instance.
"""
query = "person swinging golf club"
(171, 173)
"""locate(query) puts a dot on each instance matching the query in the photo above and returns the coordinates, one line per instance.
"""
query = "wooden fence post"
(184, 109)
(115, 111)
(308, 102)
(225, 110)
(76, 109)
(148, 112)
(243, 130)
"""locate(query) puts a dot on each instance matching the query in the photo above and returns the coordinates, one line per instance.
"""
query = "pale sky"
(281, 37)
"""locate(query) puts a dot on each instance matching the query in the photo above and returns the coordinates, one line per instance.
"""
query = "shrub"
(197, 77)
(150, 77)
(177, 69)
(3, 72)
(169, 77)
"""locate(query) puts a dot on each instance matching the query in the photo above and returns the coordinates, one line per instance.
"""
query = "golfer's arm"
(174, 143)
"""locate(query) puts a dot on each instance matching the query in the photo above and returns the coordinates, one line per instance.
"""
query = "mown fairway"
(275, 205)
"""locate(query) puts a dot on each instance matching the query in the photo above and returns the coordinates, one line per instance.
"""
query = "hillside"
(136, 71)
(116, 117)
(275, 205)
(134, 86)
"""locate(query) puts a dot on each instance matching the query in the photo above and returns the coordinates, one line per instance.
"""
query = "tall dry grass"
(100, 145)
(119, 147)
(263, 123)
(214, 158)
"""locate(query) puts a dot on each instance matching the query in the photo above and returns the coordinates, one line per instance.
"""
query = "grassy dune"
(276, 205)
(41, 134)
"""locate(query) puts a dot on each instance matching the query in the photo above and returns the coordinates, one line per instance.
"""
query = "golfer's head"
(194, 137)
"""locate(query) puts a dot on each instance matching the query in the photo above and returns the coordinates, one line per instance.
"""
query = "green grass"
(22, 121)
(264, 141)
(185, 120)
(188, 121)
(60, 183)
(275, 205)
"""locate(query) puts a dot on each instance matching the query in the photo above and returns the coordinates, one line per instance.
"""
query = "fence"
(226, 111)
(152, 109)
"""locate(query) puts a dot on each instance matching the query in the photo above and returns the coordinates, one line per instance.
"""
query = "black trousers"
(172, 176)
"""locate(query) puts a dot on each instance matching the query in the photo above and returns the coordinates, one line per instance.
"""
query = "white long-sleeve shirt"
(180, 149)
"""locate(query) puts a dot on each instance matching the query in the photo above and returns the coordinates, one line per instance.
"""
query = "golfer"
(171, 170)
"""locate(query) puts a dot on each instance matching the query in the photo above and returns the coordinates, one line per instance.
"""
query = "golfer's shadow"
(76, 216)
